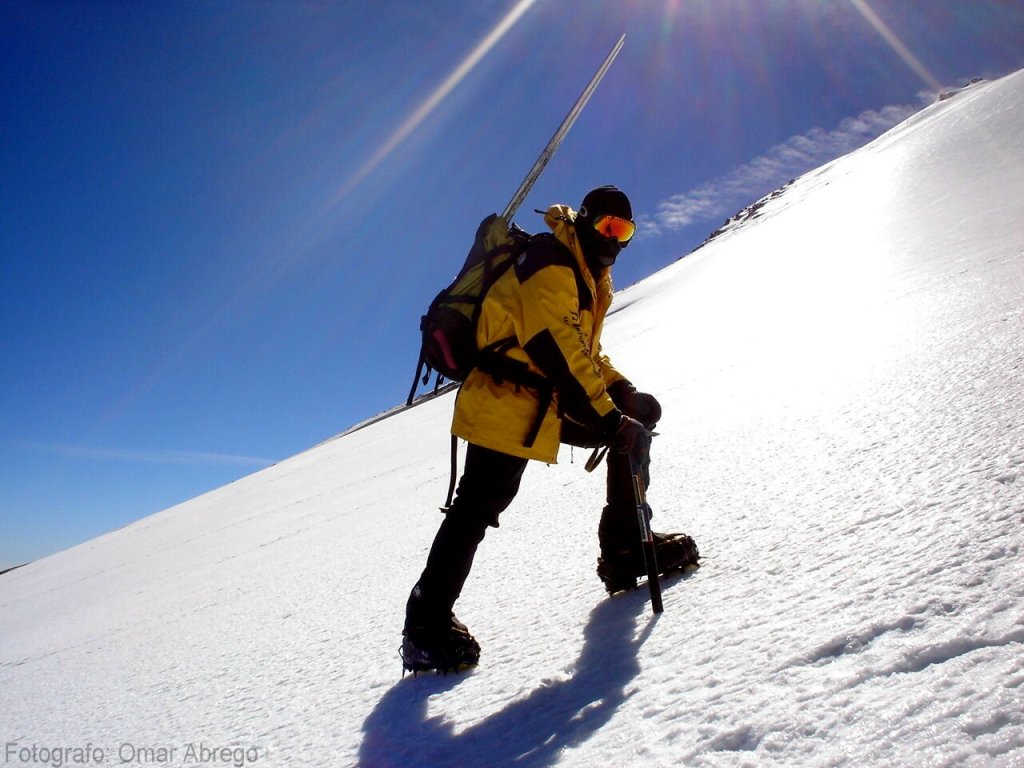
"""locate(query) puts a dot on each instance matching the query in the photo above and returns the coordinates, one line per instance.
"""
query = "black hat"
(605, 201)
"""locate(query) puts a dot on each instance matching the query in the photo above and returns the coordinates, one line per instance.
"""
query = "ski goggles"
(615, 227)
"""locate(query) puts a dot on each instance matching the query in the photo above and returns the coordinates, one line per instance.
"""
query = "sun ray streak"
(432, 101)
(896, 44)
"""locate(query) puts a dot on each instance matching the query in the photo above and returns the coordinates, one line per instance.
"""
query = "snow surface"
(841, 378)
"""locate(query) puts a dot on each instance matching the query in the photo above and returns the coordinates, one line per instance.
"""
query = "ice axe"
(643, 514)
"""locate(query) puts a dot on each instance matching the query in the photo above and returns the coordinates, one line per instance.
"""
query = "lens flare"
(896, 44)
(432, 101)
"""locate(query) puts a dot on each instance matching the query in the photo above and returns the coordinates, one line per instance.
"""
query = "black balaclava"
(598, 251)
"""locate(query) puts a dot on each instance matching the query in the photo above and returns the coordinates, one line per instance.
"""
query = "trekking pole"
(646, 537)
(563, 129)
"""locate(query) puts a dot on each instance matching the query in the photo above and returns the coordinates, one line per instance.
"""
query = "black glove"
(641, 406)
(632, 438)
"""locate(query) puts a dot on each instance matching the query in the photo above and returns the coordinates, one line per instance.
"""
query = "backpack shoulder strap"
(542, 250)
(545, 250)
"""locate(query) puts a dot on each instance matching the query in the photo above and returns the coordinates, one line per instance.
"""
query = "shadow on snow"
(529, 732)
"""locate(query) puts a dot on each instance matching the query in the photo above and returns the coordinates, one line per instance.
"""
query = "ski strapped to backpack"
(448, 329)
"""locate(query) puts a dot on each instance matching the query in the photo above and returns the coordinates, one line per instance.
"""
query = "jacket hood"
(560, 219)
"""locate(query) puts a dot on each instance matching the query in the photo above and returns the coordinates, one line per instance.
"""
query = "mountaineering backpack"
(449, 327)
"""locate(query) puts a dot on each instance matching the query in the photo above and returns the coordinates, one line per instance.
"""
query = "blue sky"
(221, 221)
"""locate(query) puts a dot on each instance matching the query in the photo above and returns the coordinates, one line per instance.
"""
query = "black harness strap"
(451, 481)
(501, 368)
(492, 361)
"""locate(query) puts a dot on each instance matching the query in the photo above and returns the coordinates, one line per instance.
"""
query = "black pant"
(488, 485)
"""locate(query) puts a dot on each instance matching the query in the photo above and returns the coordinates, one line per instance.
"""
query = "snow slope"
(841, 377)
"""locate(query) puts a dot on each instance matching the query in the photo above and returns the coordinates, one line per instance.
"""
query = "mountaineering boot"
(433, 638)
(619, 569)
(441, 646)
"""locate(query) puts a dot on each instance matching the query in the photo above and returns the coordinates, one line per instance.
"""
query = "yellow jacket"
(551, 310)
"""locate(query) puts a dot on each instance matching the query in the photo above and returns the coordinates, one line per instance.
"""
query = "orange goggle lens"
(612, 226)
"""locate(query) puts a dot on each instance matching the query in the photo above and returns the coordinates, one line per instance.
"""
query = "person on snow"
(546, 382)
